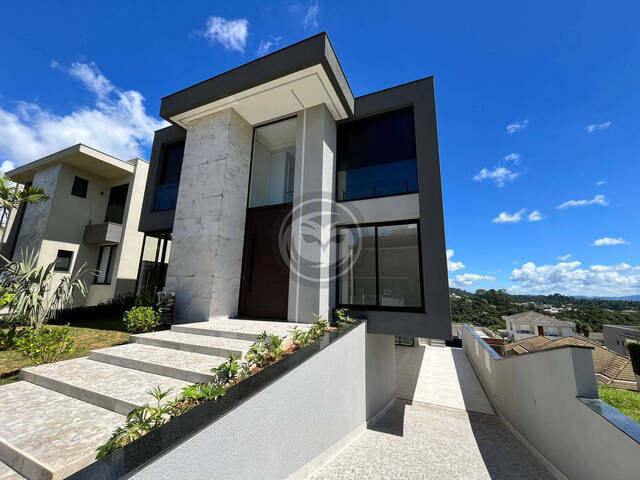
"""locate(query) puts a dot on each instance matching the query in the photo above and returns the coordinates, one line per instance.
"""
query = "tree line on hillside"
(486, 308)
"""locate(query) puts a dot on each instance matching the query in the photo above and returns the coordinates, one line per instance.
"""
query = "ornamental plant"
(141, 319)
(44, 345)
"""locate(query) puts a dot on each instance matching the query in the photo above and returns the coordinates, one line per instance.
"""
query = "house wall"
(539, 396)
(615, 338)
(292, 426)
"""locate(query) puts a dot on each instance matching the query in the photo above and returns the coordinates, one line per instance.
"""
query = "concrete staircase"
(53, 420)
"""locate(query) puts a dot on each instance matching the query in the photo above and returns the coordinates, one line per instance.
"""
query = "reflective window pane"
(170, 170)
(399, 266)
(105, 264)
(357, 264)
(273, 164)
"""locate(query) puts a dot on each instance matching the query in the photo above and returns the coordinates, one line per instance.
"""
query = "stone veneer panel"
(208, 231)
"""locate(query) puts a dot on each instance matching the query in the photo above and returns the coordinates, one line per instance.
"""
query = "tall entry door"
(264, 289)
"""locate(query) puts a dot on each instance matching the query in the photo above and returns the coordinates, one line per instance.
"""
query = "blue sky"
(538, 105)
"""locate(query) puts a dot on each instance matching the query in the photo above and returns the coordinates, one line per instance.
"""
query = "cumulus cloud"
(231, 34)
(512, 157)
(310, 19)
(500, 175)
(266, 45)
(506, 217)
(569, 278)
(564, 258)
(453, 266)
(516, 127)
(600, 182)
(535, 216)
(594, 127)
(466, 279)
(606, 241)
(597, 200)
(117, 122)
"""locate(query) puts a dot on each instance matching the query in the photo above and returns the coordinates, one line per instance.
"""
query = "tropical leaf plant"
(12, 197)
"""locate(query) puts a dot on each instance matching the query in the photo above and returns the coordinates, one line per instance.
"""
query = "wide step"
(238, 329)
(8, 473)
(204, 344)
(108, 386)
(187, 366)
(47, 435)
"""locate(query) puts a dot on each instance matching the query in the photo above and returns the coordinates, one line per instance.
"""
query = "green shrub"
(44, 345)
(140, 319)
(266, 350)
(634, 355)
(9, 337)
(344, 320)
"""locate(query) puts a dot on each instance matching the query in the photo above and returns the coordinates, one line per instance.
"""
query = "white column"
(310, 285)
(208, 230)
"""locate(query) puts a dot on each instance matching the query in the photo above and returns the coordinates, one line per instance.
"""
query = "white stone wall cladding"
(36, 216)
(208, 233)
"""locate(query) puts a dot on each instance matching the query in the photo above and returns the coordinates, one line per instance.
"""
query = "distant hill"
(628, 298)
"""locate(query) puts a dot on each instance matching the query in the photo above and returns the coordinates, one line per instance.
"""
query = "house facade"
(91, 217)
(531, 324)
(277, 194)
(617, 336)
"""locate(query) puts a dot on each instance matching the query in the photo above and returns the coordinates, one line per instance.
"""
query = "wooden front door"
(264, 287)
(540, 330)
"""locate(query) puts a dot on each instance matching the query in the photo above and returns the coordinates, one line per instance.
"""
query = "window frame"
(377, 306)
(395, 108)
(108, 275)
(86, 187)
(56, 268)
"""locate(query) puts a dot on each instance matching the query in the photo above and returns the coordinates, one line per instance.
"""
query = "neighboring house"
(616, 337)
(91, 217)
(530, 324)
(277, 194)
(610, 368)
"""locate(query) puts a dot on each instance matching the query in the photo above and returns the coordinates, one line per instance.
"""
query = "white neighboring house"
(91, 217)
(530, 324)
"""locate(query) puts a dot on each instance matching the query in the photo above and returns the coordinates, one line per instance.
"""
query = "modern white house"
(530, 324)
(91, 217)
(616, 337)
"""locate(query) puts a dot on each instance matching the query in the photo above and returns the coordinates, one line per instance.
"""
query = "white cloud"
(266, 45)
(606, 241)
(600, 182)
(597, 126)
(564, 258)
(568, 278)
(466, 279)
(231, 34)
(117, 123)
(6, 166)
(453, 266)
(597, 200)
(506, 217)
(500, 175)
(310, 19)
(516, 127)
(512, 157)
(535, 216)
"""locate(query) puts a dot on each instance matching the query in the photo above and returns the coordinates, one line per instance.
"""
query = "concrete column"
(206, 253)
(310, 284)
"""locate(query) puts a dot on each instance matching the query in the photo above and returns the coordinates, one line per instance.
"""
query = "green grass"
(89, 335)
(626, 401)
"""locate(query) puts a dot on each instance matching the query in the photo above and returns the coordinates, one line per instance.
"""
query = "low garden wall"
(550, 399)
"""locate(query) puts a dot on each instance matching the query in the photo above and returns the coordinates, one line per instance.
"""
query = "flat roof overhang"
(300, 76)
(79, 156)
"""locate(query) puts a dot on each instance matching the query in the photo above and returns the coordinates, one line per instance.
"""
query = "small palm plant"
(35, 298)
(11, 197)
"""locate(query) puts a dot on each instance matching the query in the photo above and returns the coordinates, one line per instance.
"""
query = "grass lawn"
(89, 335)
(626, 401)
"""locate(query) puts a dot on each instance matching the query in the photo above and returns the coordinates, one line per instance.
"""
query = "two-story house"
(531, 324)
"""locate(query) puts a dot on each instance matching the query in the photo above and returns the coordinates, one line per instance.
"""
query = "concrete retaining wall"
(544, 396)
(293, 425)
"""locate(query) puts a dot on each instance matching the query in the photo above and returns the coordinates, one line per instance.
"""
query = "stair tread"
(196, 340)
(113, 381)
(58, 431)
(250, 327)
(195, 362)
(8, 473)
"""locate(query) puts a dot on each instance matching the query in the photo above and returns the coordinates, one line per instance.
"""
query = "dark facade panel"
(436, 321)
(311, 51)
(162, 220)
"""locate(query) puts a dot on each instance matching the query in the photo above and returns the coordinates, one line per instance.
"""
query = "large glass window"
(154, 261)
(105, 264)
(379, 266)
(377, 156)
(117, 203)
(273, 164)
(167, 189)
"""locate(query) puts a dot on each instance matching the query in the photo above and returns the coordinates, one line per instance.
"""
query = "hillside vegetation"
(486, 308)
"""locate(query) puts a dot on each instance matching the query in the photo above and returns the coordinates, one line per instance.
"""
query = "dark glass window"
(379, 266)
(377, 156)
(117, 202)
(105, 264)
(167, 190)
(152, 273)
(80, 186)
(63, 261)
